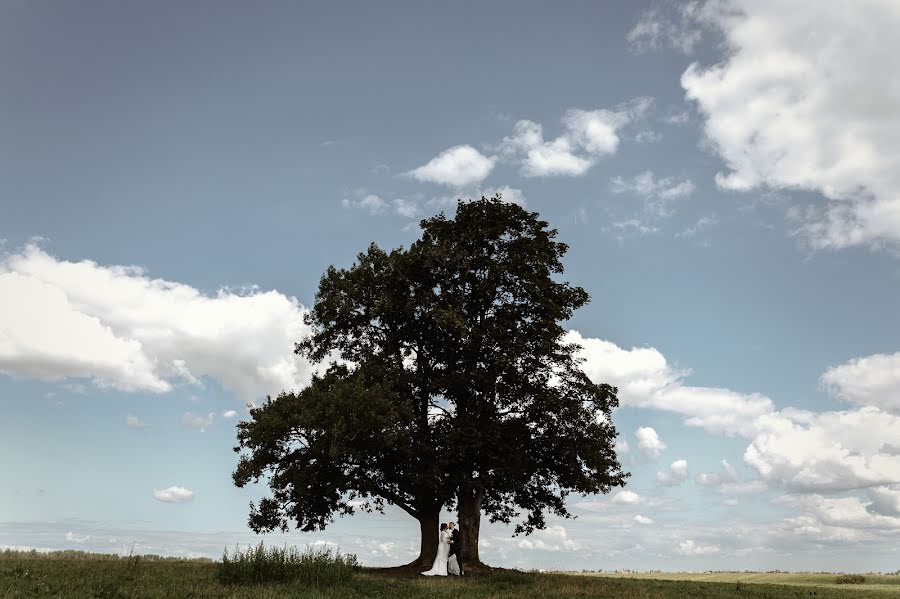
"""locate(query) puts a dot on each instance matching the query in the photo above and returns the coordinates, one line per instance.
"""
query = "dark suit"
(456, 547)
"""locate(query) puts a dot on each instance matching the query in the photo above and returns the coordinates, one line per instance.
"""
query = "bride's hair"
(444, 526)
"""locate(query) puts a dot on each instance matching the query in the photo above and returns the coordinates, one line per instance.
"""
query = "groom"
(455, 548)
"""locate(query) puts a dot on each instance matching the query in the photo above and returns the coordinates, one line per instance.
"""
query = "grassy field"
(79, 575)
(875, 583)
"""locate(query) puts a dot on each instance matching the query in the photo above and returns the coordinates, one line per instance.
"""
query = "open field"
(80, 575)
(880, 583)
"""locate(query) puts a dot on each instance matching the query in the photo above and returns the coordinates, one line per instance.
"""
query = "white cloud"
(649, 442)
(621, 446)
(407, 208)
(869, 381)
(588, 135)
(670, 25)
(74, 538)
(596, 130)
(371, 202)
(230, 414)
(643, 519)
(552, 538)
(197, 421)
(841, 512)
(646, 380)
(135, 422)
(174, 494)
(798, 450)
(627, 498)
(689, 547)
(728, 475)
(826, 451)
(541, 158)
(657, 194)
(677, 474)
(458, 166)
(728, 482)
(806, 98)
(117, 327)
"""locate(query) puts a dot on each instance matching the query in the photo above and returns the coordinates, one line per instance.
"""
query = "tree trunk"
(428, 526)
(470, 524)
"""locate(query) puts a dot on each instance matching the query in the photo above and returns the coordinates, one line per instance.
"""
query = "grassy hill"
(74, 574)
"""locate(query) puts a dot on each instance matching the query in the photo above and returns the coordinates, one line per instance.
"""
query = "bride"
(439, 568)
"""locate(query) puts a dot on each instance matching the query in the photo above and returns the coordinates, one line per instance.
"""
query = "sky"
(175, 178)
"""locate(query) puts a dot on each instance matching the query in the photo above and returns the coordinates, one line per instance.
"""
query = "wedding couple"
(448, 558)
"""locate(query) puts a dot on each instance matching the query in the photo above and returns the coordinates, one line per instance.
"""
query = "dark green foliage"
(850, 579)
(309, 567)
(449, 383)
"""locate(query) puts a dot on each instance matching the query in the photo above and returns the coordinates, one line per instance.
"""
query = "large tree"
(448, 384)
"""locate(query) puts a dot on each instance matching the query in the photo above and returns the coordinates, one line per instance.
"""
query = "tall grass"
(312, 567)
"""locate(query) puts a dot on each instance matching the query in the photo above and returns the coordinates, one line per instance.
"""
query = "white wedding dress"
(439, 568)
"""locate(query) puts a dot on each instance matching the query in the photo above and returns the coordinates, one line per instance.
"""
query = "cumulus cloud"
(174, 494)
(627, 498)
(643, 520)
(798, 450)
(541, 158)
(458, 166)
(677, 474)
(728, 475)
(552, 538)
(117, 327)
(689, 547)
(841, 512)
(826, 451)
(728, 482)
(649, 442)
(230, 414)
(645, 379)
(790, 110)
(868, 381)
(587, 136)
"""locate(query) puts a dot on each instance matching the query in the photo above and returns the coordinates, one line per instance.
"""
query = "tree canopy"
(448, 383)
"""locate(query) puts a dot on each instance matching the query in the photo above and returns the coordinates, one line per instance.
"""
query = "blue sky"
(174, 178)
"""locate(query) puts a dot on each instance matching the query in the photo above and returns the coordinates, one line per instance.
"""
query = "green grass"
(309, 567)
(873, 582)
(73, 574)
